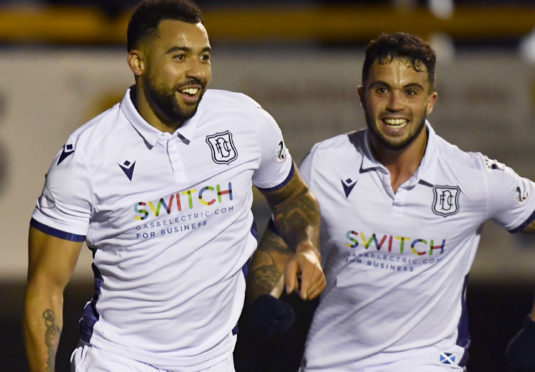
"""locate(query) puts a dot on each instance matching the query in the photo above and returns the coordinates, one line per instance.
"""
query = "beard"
(394, 145)
(164, 103)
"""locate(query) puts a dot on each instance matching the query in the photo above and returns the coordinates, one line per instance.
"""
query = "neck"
(401, 163)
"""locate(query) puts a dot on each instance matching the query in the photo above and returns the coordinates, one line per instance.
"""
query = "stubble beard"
(165, 104)
(384, 141)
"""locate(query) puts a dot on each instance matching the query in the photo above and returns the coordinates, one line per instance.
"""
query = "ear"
(431, 102)
(362, 95)
(136, 62)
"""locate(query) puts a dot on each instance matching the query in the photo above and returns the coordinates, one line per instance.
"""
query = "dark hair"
(386, 47)
(149, 13)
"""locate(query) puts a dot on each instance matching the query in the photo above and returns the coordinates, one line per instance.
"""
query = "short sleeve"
(306, 166)
(276, 166)
(64, 207)
(511, 197)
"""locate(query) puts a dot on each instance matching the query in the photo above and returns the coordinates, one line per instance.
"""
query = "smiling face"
(396, 99)
(172, 71)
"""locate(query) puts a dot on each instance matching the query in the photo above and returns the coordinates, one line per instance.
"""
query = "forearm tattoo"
(299, 220)
(52, 334)
(264, 274)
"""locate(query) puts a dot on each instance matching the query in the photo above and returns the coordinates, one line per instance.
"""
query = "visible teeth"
(395, 122)
(191, 91)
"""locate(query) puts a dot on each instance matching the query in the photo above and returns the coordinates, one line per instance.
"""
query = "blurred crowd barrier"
(486, 103)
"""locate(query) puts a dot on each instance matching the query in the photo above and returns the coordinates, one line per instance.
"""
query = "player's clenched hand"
(306, 265)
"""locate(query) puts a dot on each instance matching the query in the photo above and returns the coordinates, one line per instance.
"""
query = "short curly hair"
(149, 13)
(387, 47)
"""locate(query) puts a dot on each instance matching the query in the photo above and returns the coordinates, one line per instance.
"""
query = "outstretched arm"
(295, 252)
(50, 266)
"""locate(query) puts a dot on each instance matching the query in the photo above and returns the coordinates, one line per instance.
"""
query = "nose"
(395, 101)
(197, 70)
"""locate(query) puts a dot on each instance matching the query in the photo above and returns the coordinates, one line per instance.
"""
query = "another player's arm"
(50, 266)
(530, 229)
(266, 272)
(296, 217)
(520, 349)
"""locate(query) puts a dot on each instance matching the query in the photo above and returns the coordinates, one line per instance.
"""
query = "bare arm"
(296, 218)
(266, 275)
(50, 266)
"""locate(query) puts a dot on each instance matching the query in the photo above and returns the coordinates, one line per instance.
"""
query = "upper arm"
(274, 167)
(530, 228)
(295, 211)
(511, 198)
(296, 187)
(64, 207)
(51, 259)
(291, 191)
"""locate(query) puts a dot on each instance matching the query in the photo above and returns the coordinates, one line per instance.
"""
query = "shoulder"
(90, 139)
(340, 145)
(100, 126)
(236, 111)
(462, 160)
(227, 100)
(331, 154)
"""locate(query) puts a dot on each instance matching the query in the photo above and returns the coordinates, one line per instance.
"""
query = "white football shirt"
(396, 263)
(168, 218)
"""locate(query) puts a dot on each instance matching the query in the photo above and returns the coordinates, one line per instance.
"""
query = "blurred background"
(62, 62)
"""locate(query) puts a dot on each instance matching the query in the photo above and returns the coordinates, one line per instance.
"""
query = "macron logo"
(128, 168)
(67, 151)
(348, 185)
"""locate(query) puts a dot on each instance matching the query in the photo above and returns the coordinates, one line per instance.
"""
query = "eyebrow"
(187, 49)
(411, 85)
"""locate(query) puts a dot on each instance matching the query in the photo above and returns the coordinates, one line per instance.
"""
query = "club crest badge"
(222, 147)
(445, 200)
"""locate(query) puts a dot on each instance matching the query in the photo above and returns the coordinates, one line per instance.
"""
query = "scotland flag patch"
(447, 358)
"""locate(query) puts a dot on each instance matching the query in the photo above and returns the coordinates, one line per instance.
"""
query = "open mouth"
(395, 123)
(190, 91)
(190, 94)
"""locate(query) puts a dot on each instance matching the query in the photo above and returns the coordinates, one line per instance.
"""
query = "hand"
(521, 349)
(265, 317)
(304, 272)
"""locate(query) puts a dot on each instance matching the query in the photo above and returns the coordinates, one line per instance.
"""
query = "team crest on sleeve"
(445, 200)
(494, 164)
(282, 151)
(522, 193)
(222, 147)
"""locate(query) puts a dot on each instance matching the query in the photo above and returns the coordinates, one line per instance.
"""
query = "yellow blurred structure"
(327, 23)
